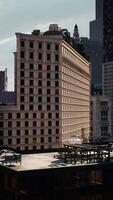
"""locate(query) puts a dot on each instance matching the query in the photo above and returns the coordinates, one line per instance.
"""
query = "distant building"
(52, 86)
(101, 118)
(3, 81)
(108, 84)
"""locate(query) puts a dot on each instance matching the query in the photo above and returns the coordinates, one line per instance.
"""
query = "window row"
(39, 56)
(40, 99)
(40, 45)
(40, 75)
(40, 91)
(40, 67)
(40, 107)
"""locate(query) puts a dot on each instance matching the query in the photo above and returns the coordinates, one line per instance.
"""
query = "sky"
(26, 15)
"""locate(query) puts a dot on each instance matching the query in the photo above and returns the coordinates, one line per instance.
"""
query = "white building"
(52, 84)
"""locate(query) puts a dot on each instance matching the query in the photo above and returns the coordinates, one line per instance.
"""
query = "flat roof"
(41, 161)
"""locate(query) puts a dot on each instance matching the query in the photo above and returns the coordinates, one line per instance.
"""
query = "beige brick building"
(52, 84)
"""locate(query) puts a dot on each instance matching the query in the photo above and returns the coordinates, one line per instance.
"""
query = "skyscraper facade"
(52, 85)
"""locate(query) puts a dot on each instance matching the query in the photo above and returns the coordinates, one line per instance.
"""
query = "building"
(41, 176)
(101, 118)
(3, 80)
(52, 85)
(108, 85)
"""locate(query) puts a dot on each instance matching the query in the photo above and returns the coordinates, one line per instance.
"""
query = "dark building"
(100, 45)
(3, 81)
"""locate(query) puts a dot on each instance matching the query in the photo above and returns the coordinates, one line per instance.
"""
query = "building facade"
(101, 118)
(52, 85)
(3, 81)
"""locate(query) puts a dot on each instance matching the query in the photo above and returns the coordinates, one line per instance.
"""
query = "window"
(31, 90)
(42, 140)
(26, 131)
(49, 139)
(48, 91)
(42, 131)
(56, 47)
(34, 123)
(39, 107)
(56, 107)
(9, 141)
(1, 133)
(22, 43)
(31, 44)
(40, 45)
(40, 56)
(42, 115)
(48, 56)
(56, 91)
(22, 74)
(1, 124)
(56, 67)
(18, 132)
(48, 75)
(48, 99)
(57, 123)
(56, 76)
(22, 90)
(49, 115)
(49, 131)
(9, 124)
(56, 99)
(30, 82)
(26, 123)
(22, 65)
(48, 107)
(9, 132)
(57, 131)
(39, 74)
(39, 66)
(1, 142)
(31, 98)
(30, 66)
(56, 57)
(49, 123)
(31, 107)
(9, 115)
(18, 123)
(26, 115)
(39, 83)
(57, 115)
(22, 81)
(42, 123)
(34, 115)
(39, 99)
(34, 131)
(48, 83)
(26, 140)
(18, 140)
(56, 84)
(31, 55)
(48, 67)
(48, 46)
(31, 74)
(39, 91)
(22, 54)
(22, 98)
(22, 107)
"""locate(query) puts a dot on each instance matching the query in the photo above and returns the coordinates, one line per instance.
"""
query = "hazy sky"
(26, 15)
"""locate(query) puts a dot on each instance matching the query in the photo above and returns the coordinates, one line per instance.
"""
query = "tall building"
(52, 85)
(101, 118)
(3, 80)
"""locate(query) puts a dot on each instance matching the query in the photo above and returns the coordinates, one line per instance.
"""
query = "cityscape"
(56, 125)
